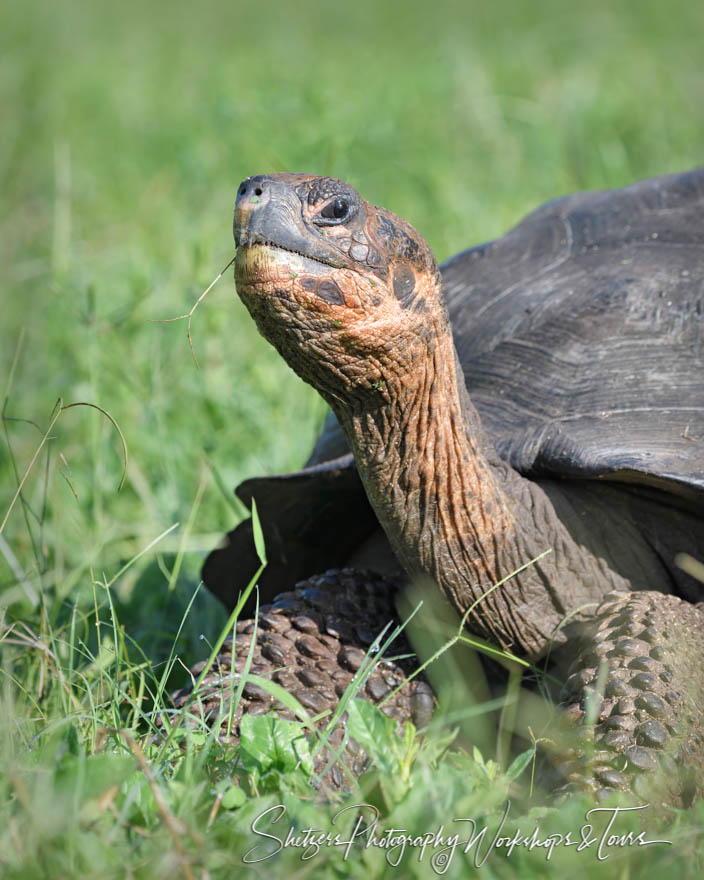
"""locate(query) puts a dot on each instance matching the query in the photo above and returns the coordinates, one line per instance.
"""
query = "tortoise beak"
(253, 214)
(269, 211)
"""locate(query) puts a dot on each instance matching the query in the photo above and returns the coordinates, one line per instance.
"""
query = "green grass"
(126, 129)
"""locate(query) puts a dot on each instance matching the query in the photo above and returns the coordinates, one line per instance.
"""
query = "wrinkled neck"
(453, 511)
(430, 474)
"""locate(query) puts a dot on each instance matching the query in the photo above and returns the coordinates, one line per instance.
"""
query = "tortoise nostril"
(258, 191)
(243, 190)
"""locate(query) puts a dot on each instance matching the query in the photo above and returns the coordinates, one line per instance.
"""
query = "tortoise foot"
(312, 641)
(634, 690)
(631, 692)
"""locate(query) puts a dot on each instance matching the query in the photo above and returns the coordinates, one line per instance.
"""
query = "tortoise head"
(347, 292)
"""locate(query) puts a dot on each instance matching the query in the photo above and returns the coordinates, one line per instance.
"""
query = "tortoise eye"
(336, 211)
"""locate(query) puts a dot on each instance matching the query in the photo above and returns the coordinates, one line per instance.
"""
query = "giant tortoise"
(544, 390)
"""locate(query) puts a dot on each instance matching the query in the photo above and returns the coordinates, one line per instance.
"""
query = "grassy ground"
(127, 129)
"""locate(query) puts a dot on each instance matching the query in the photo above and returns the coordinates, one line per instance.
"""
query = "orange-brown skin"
(354, 304)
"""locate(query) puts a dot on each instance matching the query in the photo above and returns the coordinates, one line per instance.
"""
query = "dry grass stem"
(189, 315)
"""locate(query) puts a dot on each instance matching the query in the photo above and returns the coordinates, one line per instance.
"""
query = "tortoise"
(543, 390)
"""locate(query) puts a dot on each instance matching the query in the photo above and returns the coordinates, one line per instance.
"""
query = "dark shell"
(581, 336)
(581, 333)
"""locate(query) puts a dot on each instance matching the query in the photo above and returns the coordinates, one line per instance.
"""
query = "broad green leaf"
(268, 742)
(233, 798)
(375, 732)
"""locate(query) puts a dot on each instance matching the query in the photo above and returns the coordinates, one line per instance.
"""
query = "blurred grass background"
(126, 130)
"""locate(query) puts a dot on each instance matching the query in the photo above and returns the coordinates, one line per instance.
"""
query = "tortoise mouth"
(263, 261)
(249, 241)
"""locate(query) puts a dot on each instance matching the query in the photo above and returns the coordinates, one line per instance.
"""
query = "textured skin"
(311, 641)
(645, 738)
(651, 715)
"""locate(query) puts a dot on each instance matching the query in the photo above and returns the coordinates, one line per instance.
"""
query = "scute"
(581, 334)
